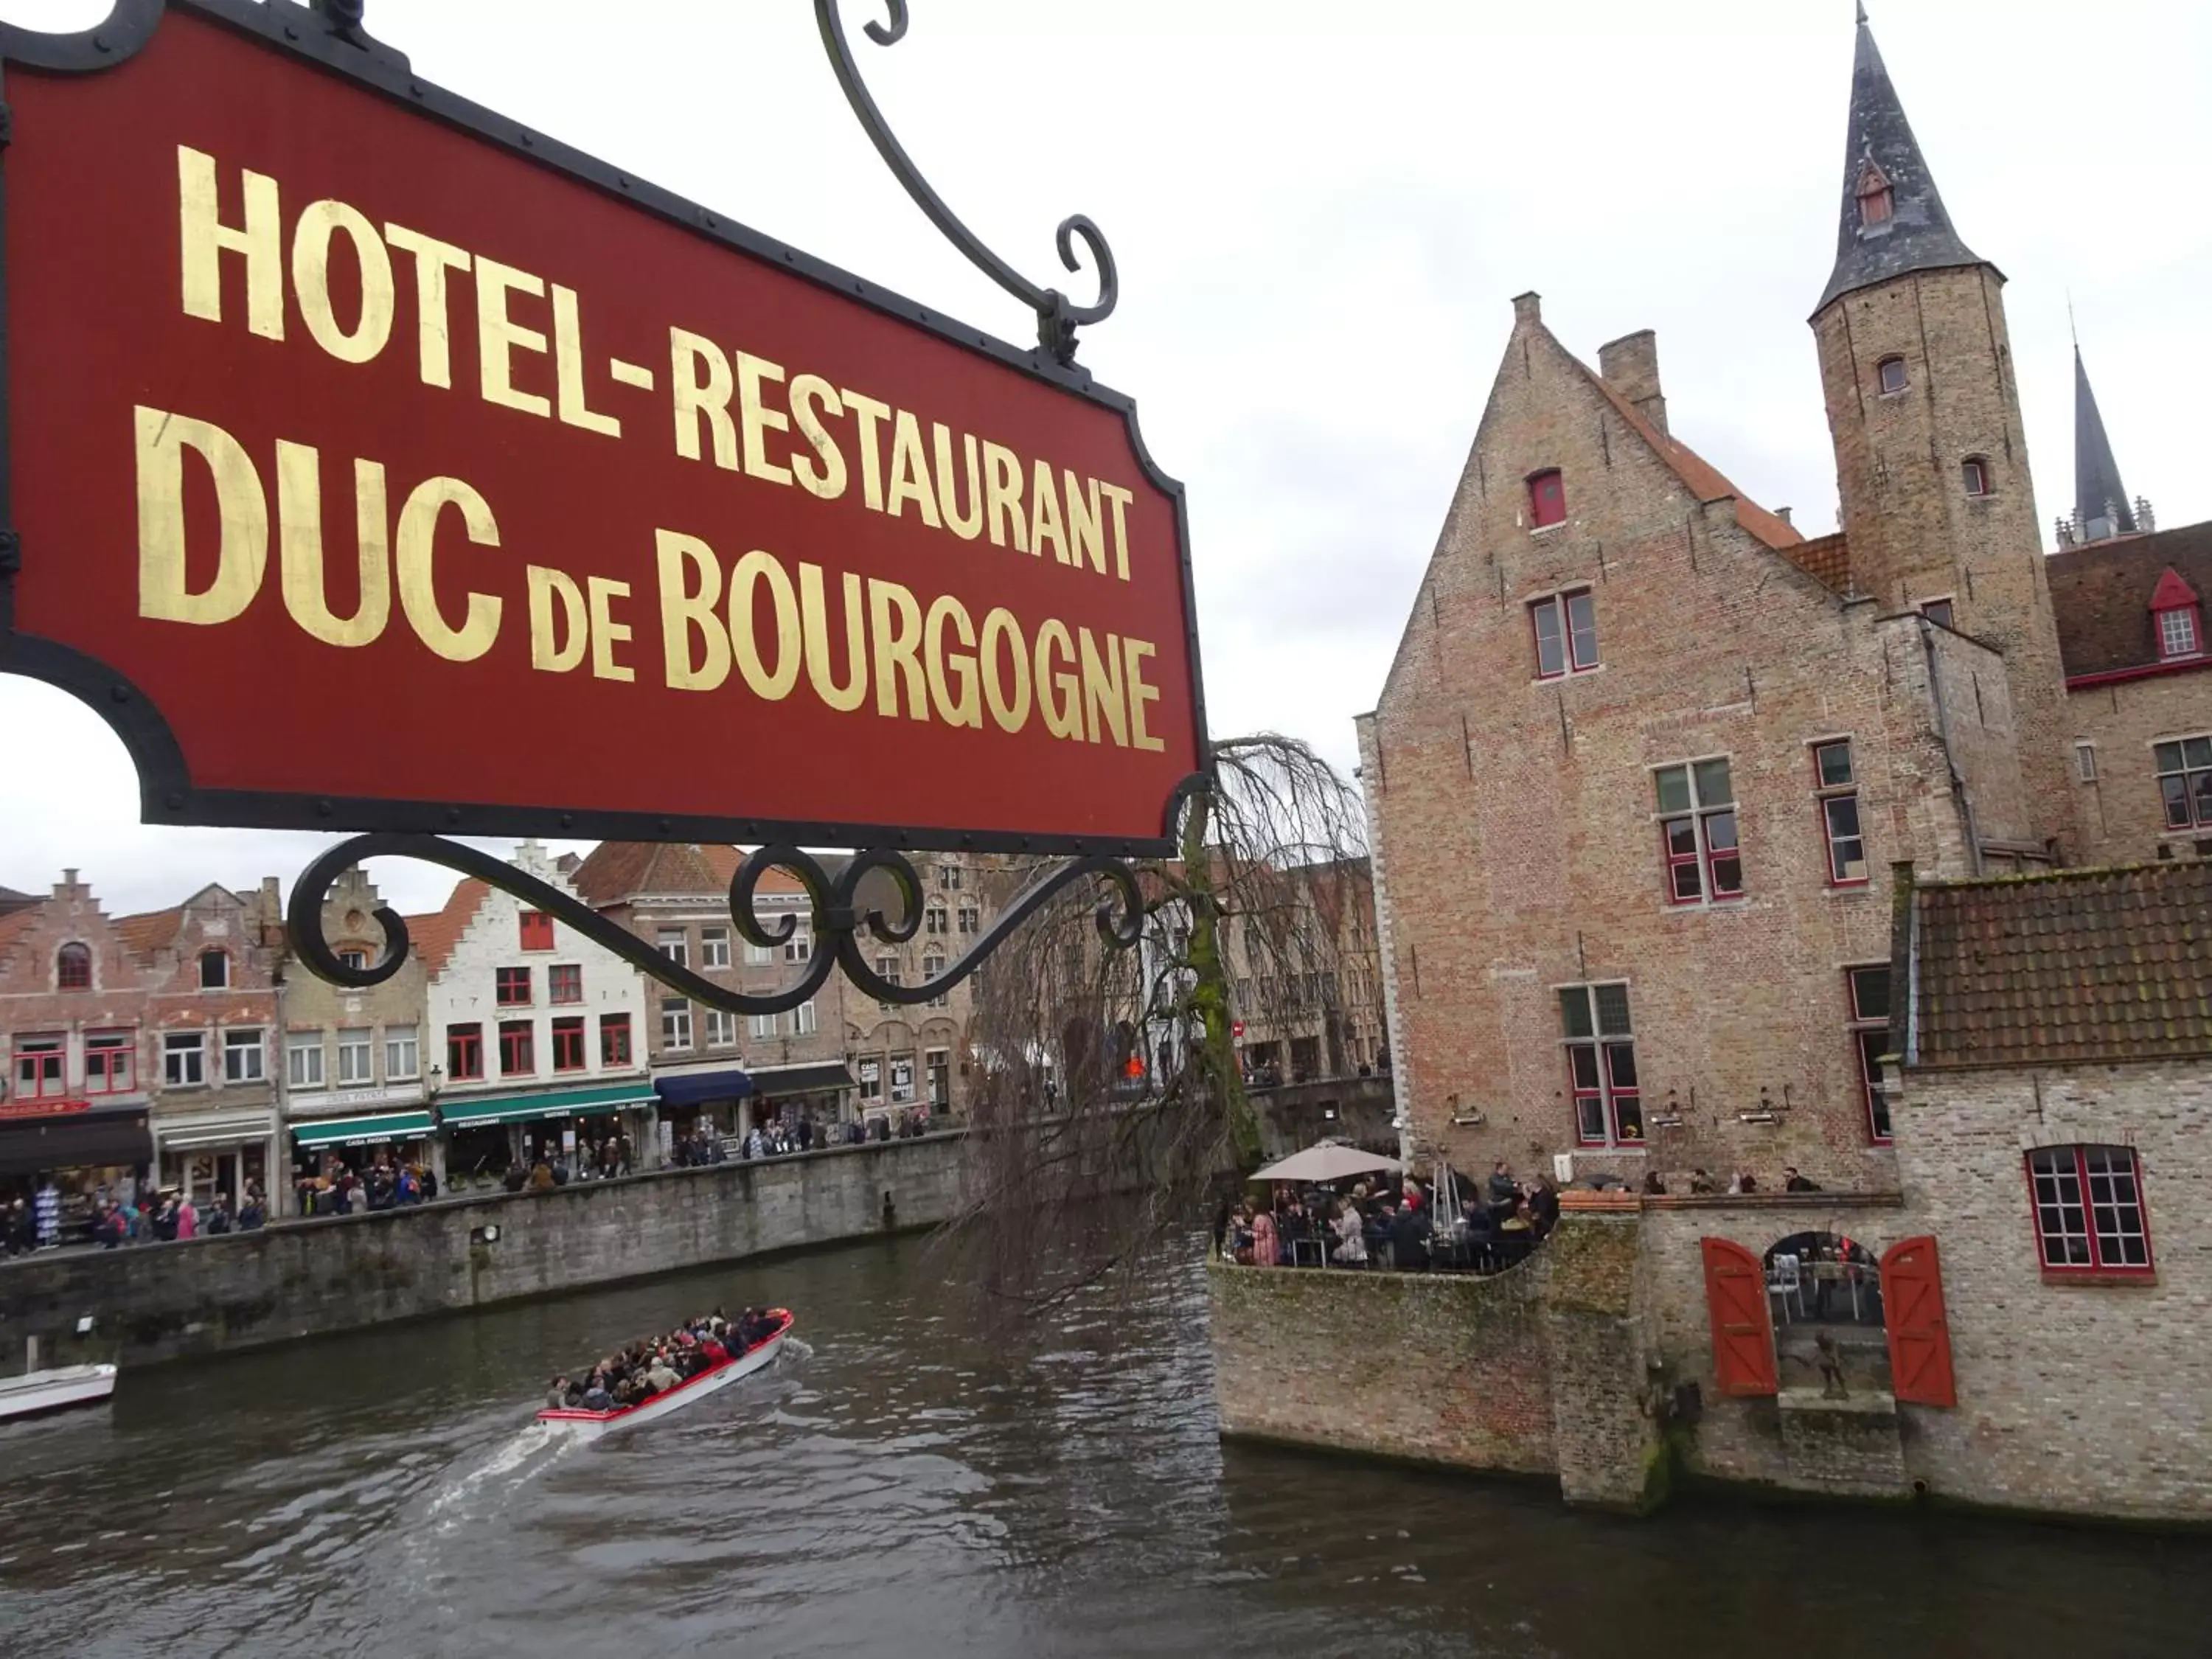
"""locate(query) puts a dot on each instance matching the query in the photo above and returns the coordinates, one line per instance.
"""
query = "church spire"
(2100, 504)
(1893, 220)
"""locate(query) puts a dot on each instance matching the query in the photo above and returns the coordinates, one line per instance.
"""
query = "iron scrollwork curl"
(1057, 316)
(837, 916)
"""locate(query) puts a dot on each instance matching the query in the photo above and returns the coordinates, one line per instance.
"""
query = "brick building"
(1646, 754)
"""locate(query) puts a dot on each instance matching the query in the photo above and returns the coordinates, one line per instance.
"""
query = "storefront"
(786, 1094)
(211, 1152)
(89, 1151)
(711, 1100)
(394, 1139)
(487, 1135)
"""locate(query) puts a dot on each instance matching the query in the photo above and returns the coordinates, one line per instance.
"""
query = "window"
(215, 970)
(970, 918)
(1877, 201)
(464, 1053)
(1697, 828)
(402, 1054)
(568, 1044)
(721, 1029)
(872, 1080)
(675, 1022)
(1867, 990)
(758, 955)
(1891, 373)
(564, 981)
(714, 947)
(183, 1058)
(938, 1063)
(800, 946)
(353, 958)
(517, 1047)
(614, 1039)
(1602, 1065)
(241, 1057)
(355, 1058)
(903, 1080)
(1837, 784)
(1938, 610)
(2085, 762)
(1547, 500)
(932, 966)
(73, 968)
(1566, 634)
(537, 931)
(2088, 1209)
(303, 1060)
(1974, 473)
(2177, 634)
(514, 987)
(948, 876)
(110, 1059)
(2184, 782)
(669, 943)
(802, 1019)
(887, 970)
(764, 1026)
(935, 920)
(39, 1064)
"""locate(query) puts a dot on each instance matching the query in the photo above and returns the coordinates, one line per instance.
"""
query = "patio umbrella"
(1327, 1162)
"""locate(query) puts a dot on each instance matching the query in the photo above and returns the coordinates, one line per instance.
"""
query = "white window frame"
(184, 1060)
(764, 1027)
(246, 1055)
(1829, 795)
(303, 1060)
(1561, 606)
(2178, 636)
(802, 1019)
(675, 1022)
(801, 945)
(931, 1059)
(721, 1029)
(869, 1072)
(714, 947)
(403, 1053)
(901, 1087)
(356, 1040)
(2085, 760)
(672, 943)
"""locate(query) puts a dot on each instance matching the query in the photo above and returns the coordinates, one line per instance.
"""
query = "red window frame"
(1869, 1034)
(464, 1053)
(614, 1039)
(514, 987)
(517, 1047)
(564, 982)
(1974, 474)
(2182, 767)
(2065, 1191)
(106, 1054)
(29, 1067)
(1601, 1071)
(537, 929)
(1689, 837)
(1547, 499)
(568, 1044)
(73, 968)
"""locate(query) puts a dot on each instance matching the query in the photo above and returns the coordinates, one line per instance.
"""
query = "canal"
(902, 1485)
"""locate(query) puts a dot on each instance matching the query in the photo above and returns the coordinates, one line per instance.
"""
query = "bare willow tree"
(1110, 1100)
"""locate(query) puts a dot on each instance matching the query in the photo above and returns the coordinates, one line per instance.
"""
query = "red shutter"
(1743, 1331)
(1919, 1337)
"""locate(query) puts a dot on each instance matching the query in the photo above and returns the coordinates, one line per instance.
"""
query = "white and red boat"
(33, 1392)
(574, 1420)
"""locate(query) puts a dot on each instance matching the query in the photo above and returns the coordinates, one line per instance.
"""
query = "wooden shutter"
(1743, 1332)
(1919, 1336)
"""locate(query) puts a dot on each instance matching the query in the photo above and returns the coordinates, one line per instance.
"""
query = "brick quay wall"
(157, 1301)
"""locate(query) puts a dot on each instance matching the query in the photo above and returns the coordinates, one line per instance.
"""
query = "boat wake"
(501, 1473)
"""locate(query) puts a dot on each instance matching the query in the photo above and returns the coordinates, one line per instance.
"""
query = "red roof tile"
(150, 930)
(432, 937)
(16, 923)
(616, 870)
(1826, 560)
(2079, 965)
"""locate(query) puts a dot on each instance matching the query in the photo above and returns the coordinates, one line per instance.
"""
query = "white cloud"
(1321, 211)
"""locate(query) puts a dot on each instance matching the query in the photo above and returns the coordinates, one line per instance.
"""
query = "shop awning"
(565, 1102)
(83, 1137)
(690, 1088)
(801, 1079)
(366, 1131)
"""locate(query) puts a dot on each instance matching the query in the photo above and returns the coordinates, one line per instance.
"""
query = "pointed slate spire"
(2098, 494)
(1893, 220)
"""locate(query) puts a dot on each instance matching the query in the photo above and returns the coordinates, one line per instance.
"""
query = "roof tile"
(2102, 595)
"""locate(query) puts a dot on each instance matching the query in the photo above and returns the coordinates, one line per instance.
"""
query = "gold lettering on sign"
(1009, 702)
(206, 239)
(417, 561)
(555, 647)
(895, 618)
(1058, 690)
(498, 335)
(952, 677)
(688, 353)
(688, 613)
(606, 632)
(814, 618)
(811, 399)
(568, 368)
(242, 558)
(299, 538)
(770, 685)
(311, 277)
(758, 419)
(433, 259)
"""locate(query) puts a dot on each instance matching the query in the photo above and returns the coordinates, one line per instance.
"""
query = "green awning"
(565, 1102)
(366, 1131)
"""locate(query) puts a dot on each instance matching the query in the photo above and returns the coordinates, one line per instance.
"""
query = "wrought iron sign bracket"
(837, 918)
(1057, 316)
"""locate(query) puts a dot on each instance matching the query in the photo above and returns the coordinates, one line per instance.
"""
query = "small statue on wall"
(1830, 1358)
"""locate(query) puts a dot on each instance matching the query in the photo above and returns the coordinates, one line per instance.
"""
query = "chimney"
(1528, 307)
(1784, 512)
(1631, 366)
(68, 878)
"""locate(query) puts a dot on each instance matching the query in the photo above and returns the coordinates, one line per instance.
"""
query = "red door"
(1743, 1331)
(1912, 1313)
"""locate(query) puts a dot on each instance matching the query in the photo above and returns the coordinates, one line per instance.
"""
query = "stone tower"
(1931, 458)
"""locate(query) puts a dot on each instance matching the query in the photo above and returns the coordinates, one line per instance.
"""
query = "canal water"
(903, 1485)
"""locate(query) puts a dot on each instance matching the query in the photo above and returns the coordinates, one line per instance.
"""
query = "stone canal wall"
(306, 1278)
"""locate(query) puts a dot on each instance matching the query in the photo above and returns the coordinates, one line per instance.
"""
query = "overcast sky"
(1321, 211)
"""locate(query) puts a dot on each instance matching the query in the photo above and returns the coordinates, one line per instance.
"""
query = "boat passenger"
(557, 1395)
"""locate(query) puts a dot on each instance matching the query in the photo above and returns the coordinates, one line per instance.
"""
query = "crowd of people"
(341, 1189)
(1392, 1221)
(704, 1144)
(653, 1365)
(119, 1218)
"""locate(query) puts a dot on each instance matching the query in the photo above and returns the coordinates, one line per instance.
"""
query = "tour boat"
(575, 1420)
(32, 1392)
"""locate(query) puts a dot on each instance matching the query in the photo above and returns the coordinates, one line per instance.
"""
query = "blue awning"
(690, 1087)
